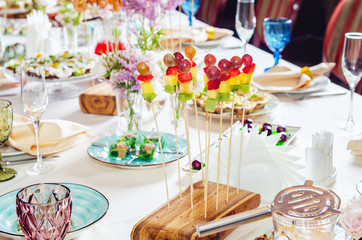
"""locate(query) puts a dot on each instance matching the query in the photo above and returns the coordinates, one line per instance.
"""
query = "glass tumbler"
(6, 121)
(44, 211)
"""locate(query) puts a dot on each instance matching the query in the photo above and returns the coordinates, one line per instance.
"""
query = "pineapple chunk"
(186, 87)
(245, 78)
(147, 87)
(212, 94)
(206, 80)
(170, 79)
(235, 80)
(224, 87)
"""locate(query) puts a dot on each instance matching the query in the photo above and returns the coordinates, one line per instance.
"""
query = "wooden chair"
(211, 10)
(346, 17)
(273, 8)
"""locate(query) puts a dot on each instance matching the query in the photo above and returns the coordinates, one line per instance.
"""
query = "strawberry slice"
(205, 69)
(193, 64)
(249, 68)
(147, 78)
(213, 84)
(234, 72)
(247, 60)
(224, 77)
(172, 70)
(183, 78)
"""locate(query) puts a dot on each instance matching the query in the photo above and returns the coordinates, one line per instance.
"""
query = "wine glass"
(190, 7)
(6, 125)
(44, 211)
(276, 36)
(245, 21)
(352, 70)
(35, 99)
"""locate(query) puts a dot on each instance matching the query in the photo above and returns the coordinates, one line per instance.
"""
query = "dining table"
(134, 193)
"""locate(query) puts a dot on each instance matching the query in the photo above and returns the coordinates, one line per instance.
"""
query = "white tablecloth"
(133, 194)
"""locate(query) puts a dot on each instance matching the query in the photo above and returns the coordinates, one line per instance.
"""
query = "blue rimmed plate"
(89, 206)
(102, 153)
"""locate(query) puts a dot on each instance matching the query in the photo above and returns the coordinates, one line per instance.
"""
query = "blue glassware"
(189, 9)
(276, 36)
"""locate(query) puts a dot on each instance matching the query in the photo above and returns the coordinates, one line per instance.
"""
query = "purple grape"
(250, 126)
(248, 121)
(196, 165)
(283, 137)
(281, 129)
(266, 128)
(267, 124)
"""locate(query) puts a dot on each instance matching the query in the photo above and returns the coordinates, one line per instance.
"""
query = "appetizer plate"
(268, 108)
(317, 84)
(210, 43)
(86, 77)
(101, 153)
(89, 206)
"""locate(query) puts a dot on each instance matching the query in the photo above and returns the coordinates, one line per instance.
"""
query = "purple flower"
(136, 87)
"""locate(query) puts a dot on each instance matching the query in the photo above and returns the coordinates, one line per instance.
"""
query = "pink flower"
(351, 217)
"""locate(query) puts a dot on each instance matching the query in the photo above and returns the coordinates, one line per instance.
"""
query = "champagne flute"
(276, 36)
(190, 7)
(245, 21)
(6, 125)
(35, 99)
(352, 70)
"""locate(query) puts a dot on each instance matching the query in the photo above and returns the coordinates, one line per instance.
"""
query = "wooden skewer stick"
(179, 38)
(163, 161)
(229, 156)
(241, 144)
(218, 159)
(198, 134)
(207, 163)
(189, 154)
(177, 153)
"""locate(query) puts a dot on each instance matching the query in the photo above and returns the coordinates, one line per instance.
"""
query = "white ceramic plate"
(211, 43)
(316, 85)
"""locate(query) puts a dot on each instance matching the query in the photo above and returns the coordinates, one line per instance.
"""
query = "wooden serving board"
(179, 222)
(99, 99)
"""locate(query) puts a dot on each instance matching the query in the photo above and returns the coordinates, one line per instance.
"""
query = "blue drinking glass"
(189, 9)
(276, 36)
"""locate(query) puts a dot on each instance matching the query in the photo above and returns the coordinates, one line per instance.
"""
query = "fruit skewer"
(223, 96)
(148, 95)
(171, 86)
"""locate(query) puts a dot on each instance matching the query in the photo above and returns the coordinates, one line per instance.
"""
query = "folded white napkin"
(37, 32)
(55, 135)
(286, 80)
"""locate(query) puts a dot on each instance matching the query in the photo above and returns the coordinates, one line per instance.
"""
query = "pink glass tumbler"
(44, 211)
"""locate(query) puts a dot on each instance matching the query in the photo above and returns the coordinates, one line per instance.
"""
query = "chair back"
(210, 10)
(346, 17)
(272, 9)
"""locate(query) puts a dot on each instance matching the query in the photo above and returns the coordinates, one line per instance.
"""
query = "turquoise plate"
(89, 206)
(102, 153)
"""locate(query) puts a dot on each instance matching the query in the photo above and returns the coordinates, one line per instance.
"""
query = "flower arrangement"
(120, 69)
(67, 16)
(150, 31)
(351, 217)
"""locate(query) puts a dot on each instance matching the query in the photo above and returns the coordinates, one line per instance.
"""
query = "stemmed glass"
(44, 211)
(190, 7)
(6, 125)
(35, 99)
(276, 36)
(352, 70)
(245, 21)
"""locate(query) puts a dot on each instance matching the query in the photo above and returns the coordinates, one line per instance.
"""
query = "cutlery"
(8, 95)
(27, 160)
(134, 157)
(301, 96)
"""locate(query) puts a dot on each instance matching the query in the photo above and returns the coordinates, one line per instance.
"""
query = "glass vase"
(129, 112)
(71, 38)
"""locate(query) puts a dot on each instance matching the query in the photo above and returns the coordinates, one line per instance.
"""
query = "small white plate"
(316, 85)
